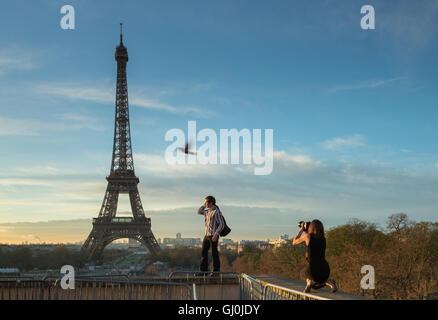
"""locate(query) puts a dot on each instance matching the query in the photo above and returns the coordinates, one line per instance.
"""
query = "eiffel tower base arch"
(103, 233)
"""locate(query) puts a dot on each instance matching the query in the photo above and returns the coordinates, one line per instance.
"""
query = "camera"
(304, 225)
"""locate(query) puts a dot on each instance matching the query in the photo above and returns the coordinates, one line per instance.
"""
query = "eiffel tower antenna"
(122, 179)
(121, 33)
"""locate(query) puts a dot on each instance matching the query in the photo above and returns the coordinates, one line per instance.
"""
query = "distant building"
(134, 243)
(284, 237)
(280, 241)
(252, 242)
(261, 244)
(181, 242)
(226, 241)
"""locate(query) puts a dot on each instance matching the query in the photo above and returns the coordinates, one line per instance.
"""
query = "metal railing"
(95, 289)
(106, 276)
(122, 287)
(209, 285)
(16, 278)
(205, 274)
(275, 292)
(253, 289)
(250, 288)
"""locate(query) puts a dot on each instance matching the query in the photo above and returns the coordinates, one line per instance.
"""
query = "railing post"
(56, 292)
(195, 296)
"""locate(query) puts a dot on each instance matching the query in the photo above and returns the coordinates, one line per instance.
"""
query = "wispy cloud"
(339, 143)
(35, 127)
(369, 84)
(14, 58)
(300, 160)
(19, 127)
(106, 95)
(77, 121)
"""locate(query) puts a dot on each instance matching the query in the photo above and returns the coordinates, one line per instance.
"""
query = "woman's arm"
(298, 239)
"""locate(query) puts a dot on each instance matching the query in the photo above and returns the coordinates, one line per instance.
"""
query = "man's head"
(210, 201)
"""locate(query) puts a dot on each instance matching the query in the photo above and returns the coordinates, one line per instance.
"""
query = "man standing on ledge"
(214, 223)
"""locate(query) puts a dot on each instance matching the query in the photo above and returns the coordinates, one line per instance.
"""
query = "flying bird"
(186, 149)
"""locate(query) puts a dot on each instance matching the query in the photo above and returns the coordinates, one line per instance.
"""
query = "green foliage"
(285, 260)
(25, 259)
(250, 250)
(183, 257)
(356, 232)
(190, 258)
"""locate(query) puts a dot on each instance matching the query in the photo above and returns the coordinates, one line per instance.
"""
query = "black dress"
(317, 269)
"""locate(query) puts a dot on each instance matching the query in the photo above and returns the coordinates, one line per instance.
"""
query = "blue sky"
(353, 111)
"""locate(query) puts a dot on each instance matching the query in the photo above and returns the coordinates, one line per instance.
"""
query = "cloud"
(77, 121)
(339, 143)
(35, 127)
(14, 58)
(370, 84)
(26, 182)
(106, 95)
(19, 127)
(157, 165)
(188, 223)
(297, 160)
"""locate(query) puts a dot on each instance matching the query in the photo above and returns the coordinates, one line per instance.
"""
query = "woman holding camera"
(317, 270)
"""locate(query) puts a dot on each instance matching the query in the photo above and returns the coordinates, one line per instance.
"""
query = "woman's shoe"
(333, 284)
(307, 289)
(308, 286)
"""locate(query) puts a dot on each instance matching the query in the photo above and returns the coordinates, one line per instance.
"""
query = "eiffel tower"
(122, 179)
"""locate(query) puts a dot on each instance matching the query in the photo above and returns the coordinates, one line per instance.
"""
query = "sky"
(353, 112)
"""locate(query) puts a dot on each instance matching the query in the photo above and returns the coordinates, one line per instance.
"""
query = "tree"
(398, 222)
(354, 232)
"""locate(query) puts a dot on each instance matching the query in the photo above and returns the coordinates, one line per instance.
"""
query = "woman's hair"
(316, 229)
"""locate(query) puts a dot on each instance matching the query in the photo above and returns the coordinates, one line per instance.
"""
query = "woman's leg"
(309, 284)
(307, 275)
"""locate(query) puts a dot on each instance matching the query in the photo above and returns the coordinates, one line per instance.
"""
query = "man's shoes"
(333, 284)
